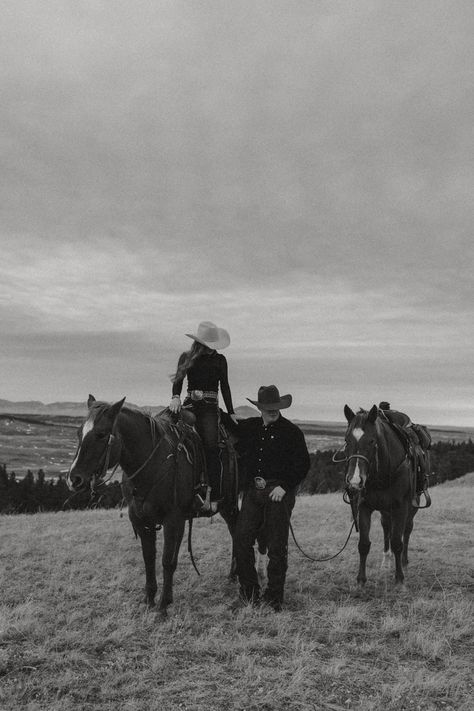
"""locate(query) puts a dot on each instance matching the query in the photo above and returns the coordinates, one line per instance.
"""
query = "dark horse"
(159, 479)
(380, 476)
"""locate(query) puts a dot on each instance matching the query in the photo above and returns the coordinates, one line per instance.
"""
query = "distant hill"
(79, 409)
(318, 428)
(71, 409)
(34, 407)
(245, 411)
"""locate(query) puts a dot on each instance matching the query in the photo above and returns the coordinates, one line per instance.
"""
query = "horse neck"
(135, 434)
(390, 449)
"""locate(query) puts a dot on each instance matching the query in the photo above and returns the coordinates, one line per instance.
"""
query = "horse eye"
(101, 435)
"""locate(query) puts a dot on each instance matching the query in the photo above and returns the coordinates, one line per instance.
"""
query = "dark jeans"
(207, 423)
(257, 509)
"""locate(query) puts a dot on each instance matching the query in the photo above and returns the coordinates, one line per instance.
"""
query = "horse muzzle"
(79, 480)
(75, 482)
(357, 472)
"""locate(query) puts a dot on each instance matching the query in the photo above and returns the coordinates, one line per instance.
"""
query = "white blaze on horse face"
(356, 478)
(87, 427)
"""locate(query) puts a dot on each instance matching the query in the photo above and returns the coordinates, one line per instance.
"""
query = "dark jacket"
(276, 452)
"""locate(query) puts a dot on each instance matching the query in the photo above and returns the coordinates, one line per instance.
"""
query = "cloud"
(298, 174)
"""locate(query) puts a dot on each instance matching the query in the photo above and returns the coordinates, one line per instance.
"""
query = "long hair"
(196, 350)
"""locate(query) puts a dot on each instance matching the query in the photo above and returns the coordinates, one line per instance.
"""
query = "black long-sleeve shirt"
(276, 451)
(207, 373)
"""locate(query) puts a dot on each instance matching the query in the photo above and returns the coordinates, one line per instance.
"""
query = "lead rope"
(317, 560)
(190, 547)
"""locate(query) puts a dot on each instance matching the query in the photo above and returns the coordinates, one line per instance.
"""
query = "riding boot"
(213, 462)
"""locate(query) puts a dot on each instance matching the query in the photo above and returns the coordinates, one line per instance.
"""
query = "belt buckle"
(260, 482)
(197, 394)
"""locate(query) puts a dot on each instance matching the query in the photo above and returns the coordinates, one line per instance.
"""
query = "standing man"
(275, 460)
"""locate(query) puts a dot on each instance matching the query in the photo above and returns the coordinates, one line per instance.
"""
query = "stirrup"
(424, 493)
(206, 507)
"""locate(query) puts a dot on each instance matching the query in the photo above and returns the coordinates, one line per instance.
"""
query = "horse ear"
(373, 413)
(90, 401)
(348, 413)
(116, 407)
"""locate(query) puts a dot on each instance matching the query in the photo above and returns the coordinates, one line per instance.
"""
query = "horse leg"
(406, 535)
(261, 557)
(148, 541)
(386, 526)
(396, 540)
(173, 529)
(364, 542)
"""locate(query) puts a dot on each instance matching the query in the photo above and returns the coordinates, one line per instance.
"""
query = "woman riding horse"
(205, 370)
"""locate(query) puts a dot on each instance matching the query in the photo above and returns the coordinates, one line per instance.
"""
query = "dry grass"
(74, 635)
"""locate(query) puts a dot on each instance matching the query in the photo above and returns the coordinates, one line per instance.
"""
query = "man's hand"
(277, 493)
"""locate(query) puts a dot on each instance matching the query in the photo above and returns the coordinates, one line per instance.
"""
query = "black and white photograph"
(236, 383)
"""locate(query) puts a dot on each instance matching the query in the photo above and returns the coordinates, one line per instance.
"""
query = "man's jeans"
(258, 509)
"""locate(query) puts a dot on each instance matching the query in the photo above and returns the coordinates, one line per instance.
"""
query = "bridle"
(368, 461)
(357, 455)
(101, 478)
(351, 496)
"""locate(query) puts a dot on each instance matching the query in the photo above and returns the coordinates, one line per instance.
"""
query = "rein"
(316, 560)
(147, 460)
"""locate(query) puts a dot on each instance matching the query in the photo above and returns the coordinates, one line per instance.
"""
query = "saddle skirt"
(416, 439)
(187, 445)
(183, 444)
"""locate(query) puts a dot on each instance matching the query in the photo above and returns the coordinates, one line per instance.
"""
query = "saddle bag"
(423, 434)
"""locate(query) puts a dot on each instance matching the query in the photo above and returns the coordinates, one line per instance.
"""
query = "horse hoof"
(162, 614)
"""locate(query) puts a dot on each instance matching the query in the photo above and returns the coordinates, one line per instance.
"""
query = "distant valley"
(35, 435)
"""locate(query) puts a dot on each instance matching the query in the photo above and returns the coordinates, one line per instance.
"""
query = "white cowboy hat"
(211, 336)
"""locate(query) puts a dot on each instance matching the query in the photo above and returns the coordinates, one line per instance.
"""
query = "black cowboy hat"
(269, 399)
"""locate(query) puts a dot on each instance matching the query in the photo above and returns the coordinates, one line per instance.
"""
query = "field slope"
(74, 635)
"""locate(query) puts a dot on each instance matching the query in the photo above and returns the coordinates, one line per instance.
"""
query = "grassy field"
(74, 634)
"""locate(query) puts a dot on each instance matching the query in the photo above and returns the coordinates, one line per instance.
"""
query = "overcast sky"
(300, 173)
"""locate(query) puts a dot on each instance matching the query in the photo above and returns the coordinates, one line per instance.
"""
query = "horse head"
(98, 448)
(361, 446)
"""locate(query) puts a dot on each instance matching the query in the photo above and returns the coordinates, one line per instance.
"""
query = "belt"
(202, 395)
(261, 483)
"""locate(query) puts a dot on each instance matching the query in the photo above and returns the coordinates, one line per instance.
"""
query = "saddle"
(416, 441)
(189, 451)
